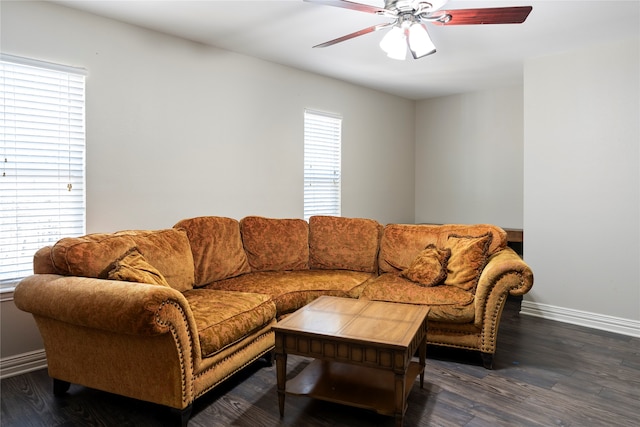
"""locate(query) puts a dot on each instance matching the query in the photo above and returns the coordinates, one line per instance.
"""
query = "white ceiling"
(469, 58)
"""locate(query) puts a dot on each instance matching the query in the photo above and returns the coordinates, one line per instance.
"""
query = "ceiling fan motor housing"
(413, 6)
(411, 11)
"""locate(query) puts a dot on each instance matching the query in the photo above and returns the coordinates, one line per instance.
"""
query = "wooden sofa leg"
(182, 414)
(60, 387)
(268, 358)
(487, 360)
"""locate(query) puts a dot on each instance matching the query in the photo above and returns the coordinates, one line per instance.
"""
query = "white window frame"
(322, 163)
(42, 160)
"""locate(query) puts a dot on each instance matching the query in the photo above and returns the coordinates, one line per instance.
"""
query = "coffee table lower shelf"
(352, 385)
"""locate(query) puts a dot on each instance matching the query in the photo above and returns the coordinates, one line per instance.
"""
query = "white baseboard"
(582, 318)
(22, 363)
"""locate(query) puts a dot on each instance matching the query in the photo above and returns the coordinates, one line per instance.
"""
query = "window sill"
(6, 290)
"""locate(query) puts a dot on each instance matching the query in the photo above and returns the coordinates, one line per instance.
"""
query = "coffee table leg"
(400, 398)
(281, 373)
(422, 353)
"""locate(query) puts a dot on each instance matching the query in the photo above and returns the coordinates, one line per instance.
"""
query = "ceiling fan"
(408, 28)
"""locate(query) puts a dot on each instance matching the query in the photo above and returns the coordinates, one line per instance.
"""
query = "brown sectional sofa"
(166, 315)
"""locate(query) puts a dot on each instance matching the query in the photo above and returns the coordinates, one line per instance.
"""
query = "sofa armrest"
(505, 274)
(122, 326)
(115, 306)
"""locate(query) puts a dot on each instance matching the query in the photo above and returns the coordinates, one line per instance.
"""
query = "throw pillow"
(133, 267)
(429, 268)
(468, 257)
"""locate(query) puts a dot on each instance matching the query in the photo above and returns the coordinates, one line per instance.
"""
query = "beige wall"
(582, 184)
(177, 129)
(469, 150)
(19, 340)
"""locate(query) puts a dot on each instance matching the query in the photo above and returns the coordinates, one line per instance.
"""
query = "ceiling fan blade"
(492, 15)
(353, 6)
(356, 34)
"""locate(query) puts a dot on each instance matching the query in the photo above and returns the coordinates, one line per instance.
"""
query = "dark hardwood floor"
(545, 374)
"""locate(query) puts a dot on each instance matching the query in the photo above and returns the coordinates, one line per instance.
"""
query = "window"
(42, 154)
(322, 147)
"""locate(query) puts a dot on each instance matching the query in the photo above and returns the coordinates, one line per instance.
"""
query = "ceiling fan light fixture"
(419, 41)
(394, 43)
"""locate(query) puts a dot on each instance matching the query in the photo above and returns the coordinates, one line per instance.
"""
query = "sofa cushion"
(223, 318)
(337, 243)
(401, 243)
(429, 268)
(468, 257)
(169, 251)
(133, 267)
(275, 244)
(291, 290)
(90, 255)
(448, 303)
(42, 262)
(217, 249)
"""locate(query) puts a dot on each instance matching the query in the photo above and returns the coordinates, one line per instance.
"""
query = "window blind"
(42, 175)
(322, 162)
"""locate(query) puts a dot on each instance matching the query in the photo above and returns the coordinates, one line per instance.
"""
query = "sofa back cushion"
(275, 244)
(337, 243)
(94, 255)
(42, 262)
(401, 243)
(217, 249)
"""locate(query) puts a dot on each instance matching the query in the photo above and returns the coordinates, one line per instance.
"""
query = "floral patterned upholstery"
(93, 255)
(217, 248)
(448, 303)
(274, 244)
(401, 243)
(291, 290)
(338, 243)
(223, 317)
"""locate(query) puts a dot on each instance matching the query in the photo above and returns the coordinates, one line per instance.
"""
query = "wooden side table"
(363, 353)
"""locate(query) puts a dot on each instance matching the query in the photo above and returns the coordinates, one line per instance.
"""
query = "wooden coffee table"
(362, 349)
